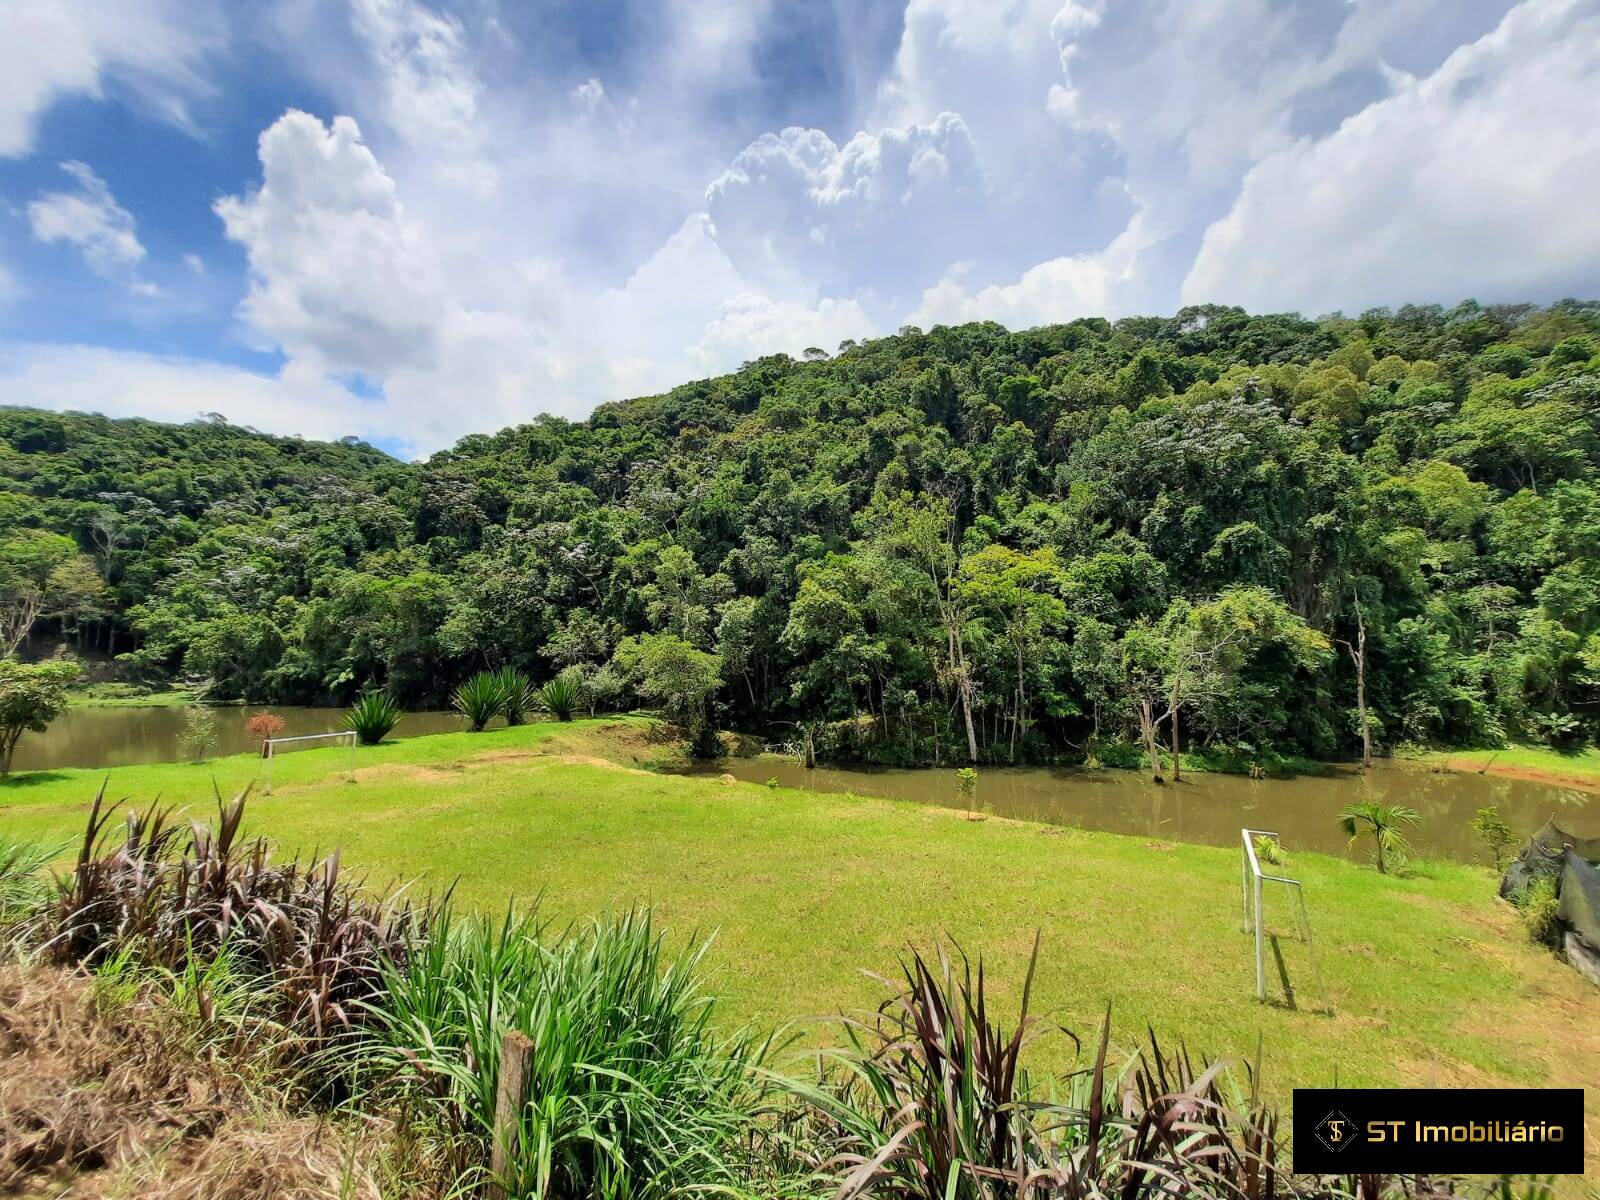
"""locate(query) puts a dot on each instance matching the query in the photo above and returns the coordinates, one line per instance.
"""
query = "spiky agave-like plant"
(373, 717)
(561, 697)
(480, 699)
(518, 694)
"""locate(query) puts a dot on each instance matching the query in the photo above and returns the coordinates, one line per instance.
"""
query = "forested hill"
(1063, 534)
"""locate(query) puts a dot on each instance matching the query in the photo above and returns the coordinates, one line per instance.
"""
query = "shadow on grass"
(24, 779)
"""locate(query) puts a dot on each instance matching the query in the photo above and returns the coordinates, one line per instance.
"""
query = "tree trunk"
(1361, 705)
(1016, 723)
(1147, 730)
(1172, 713)
(1358, 656)
(965, 689)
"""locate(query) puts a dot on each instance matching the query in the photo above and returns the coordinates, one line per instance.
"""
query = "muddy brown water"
(1211, 809)
(120, 737)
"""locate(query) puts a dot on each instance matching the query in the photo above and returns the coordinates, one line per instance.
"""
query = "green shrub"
(199, 736)
(561, 697)
(1271, 852)
(1125, 756)
(634, 1088)
(1493, 834)
(516, 692)
(373, 717)
(480, 699)
(1538, 904)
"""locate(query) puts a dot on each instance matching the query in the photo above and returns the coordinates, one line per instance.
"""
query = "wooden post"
(516, 1064)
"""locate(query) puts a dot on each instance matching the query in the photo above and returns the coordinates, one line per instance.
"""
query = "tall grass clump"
(1539, 905)
(373, 717)
(24, 887)
(634, 1090)
(931, 1101)
(176, 896)
(516, 692)
(561, 696)
(480, 699)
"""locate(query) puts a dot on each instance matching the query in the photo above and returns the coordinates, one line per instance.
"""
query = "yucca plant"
(373, 717)
(517, 694)
(635, 1089)
(561, 697)
(1384, 824)
(480, 699)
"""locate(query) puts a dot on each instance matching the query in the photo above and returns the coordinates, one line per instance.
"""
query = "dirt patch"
(501, 756)
(591, 760)
(100, 1101)
(433, 773)
(1575, 780)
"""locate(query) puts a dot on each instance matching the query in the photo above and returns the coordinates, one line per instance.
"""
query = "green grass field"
(1431, 980)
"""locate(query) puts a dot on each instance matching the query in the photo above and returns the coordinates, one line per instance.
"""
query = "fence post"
(516, 1064)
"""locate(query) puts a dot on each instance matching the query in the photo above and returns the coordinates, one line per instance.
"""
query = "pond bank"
(1532, 764)
(1209, 808)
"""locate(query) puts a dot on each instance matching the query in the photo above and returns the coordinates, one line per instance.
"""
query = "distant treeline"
(921, 546)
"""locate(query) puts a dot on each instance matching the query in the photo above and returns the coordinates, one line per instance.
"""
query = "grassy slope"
(1538, 763)
(1432, 982)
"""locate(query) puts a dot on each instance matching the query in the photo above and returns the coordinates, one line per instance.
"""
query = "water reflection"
(1211, 809)
(120, 737)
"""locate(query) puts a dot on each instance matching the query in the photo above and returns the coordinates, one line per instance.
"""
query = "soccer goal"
(269, 749)
(1255, 914)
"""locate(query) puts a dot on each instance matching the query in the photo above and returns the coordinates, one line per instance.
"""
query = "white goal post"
(269, 748)
(1255, 913)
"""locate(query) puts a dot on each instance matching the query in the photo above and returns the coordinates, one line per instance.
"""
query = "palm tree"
(1383, 823)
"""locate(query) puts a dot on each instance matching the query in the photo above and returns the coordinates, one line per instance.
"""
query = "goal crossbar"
(269, 748)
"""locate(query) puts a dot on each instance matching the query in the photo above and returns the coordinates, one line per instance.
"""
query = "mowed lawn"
(1431, 980)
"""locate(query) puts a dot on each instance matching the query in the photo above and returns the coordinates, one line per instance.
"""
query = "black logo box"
(1468, 1131)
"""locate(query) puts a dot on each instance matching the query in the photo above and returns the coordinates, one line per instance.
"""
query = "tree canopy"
(946, 544)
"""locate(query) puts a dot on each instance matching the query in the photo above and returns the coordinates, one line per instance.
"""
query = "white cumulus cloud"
(338, 275)
(90, 218)
(800, 215)
(1470, 181)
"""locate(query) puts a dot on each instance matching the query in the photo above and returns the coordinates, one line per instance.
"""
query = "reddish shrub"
(265, 725)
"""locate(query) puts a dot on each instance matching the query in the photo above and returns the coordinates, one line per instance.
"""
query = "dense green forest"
(939, 545)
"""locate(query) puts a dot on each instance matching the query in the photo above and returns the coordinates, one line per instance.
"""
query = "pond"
(1211, 809)
(114, 736)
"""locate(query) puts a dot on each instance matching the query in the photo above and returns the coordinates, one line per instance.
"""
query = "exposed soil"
(1578, 781)
(102, 1101)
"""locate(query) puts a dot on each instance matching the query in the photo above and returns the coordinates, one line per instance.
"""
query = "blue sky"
(409, 220)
